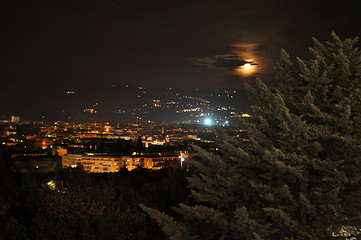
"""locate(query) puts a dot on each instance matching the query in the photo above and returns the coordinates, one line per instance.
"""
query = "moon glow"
(246, 69)
(247, 66)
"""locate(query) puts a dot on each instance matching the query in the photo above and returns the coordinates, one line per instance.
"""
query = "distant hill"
(75, 98)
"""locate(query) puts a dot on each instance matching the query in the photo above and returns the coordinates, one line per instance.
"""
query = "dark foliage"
(73, 204)
(298, 176)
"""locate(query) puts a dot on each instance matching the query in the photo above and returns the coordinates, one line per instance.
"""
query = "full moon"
(247, 66)
(246, 69)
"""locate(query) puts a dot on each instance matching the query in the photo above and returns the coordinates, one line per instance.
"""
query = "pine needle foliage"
(299, 176)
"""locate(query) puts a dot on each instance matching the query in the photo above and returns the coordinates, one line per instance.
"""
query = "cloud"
(220, 62)
(240, 54)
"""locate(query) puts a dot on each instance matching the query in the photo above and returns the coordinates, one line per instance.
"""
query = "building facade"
(93, 162)
(101, 162)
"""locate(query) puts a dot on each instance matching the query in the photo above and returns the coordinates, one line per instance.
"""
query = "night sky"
(165, 43)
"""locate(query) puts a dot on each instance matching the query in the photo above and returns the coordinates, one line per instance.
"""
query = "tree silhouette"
(299, 175)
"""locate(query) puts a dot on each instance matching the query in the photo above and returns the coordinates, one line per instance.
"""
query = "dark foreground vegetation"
(73, 204)
(299, 175)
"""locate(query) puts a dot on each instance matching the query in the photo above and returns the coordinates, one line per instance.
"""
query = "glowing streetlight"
(208, 121)
(182, 158)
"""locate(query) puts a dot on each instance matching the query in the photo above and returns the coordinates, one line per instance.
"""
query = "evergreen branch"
(173, 229)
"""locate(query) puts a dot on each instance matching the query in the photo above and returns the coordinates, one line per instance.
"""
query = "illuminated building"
(158, 142)
(15, 119)
(92, 162)
(71, 160)
(62, 151)
(99, 162)
(44, 143)
(148, 162)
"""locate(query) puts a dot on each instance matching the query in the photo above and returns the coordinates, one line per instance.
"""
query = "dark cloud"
(240, 54)
(219, 62)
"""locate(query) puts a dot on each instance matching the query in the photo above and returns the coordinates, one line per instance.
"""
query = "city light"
(208, 121)
(51, 185)
(225, 123)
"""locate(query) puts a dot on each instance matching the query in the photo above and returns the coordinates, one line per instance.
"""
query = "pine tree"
(299, 176)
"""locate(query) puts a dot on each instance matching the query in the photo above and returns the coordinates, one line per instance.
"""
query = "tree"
(139, 144)
(299, 175)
